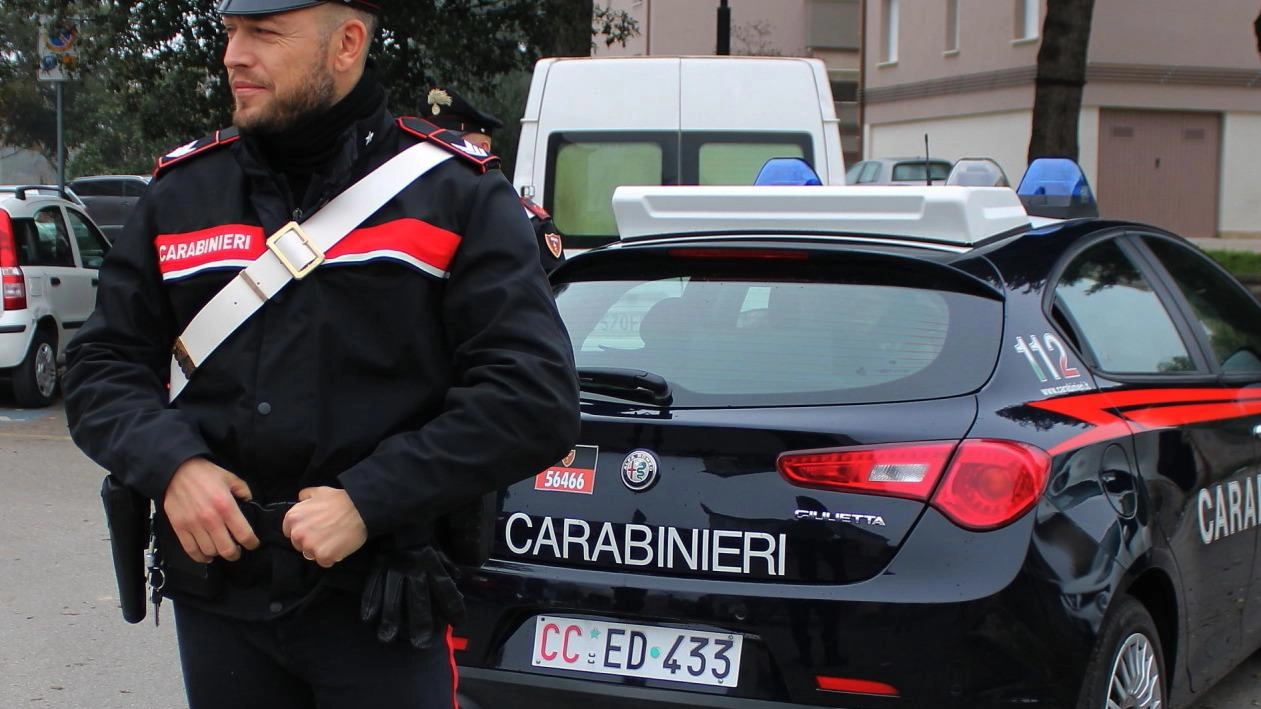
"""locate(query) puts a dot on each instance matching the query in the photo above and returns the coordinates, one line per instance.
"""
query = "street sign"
(58, 49)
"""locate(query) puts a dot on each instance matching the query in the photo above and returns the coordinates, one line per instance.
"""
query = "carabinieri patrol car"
(884, 447)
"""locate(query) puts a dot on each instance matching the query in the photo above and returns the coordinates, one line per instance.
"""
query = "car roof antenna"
(928, 168)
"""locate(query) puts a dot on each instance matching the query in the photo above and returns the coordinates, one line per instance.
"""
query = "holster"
(127, 514)
(467, 532)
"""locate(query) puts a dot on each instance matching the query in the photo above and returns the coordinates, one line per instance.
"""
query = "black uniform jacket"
(422, 364)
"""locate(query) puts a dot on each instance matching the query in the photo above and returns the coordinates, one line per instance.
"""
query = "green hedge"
(1244, 264)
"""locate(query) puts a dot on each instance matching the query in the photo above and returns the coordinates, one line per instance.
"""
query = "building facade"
(1171, 110)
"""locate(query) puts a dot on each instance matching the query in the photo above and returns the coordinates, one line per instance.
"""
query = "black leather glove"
(412, 589)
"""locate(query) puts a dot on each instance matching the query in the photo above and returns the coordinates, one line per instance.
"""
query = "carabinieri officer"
(303, 472)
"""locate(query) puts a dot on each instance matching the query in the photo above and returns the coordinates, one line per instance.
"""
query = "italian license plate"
(631, 650)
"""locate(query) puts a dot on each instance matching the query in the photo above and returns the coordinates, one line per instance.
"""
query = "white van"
(592, 124)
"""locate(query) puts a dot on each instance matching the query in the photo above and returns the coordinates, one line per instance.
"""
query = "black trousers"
(319, 657)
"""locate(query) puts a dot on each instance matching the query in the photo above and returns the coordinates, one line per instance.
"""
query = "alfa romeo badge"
(639, 470)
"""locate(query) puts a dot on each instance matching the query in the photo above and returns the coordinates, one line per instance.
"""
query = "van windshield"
(585, 167)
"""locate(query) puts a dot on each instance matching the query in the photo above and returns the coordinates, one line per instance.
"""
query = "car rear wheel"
(1125, 670)
(35, 379)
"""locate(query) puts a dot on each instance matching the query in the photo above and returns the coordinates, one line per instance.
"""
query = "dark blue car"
(883, 447)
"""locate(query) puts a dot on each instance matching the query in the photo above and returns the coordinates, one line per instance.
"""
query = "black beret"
(268, 7)
(447, 109)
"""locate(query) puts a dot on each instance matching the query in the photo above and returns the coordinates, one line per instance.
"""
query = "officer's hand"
(200, 504)
(324, 525)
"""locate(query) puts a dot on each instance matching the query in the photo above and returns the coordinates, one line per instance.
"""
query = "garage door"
(1160, 167)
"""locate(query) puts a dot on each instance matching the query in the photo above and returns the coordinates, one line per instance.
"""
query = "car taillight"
(985, 484)
(909, 470)
(12, 283)
(991, 483)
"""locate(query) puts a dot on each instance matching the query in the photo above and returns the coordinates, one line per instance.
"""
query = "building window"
(889, 20)
(1027, 17)
(952, 25)
(835, 24)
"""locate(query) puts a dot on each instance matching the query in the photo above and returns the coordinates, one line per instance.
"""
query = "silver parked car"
(110, 198)
(898, 171)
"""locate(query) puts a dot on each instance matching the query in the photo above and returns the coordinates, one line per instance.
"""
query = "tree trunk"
(1256, 30)
(1061, 75)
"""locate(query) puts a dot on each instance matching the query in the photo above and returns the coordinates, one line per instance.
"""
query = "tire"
(35, 379)
(1127, 667)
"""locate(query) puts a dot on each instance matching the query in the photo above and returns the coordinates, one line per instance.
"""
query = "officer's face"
(279, 68)
(481, 140)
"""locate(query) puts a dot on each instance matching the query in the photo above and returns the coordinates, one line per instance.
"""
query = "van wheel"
(1126, 667)
(35, 379)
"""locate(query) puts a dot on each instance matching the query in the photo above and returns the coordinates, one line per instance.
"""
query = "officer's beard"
(312, 96)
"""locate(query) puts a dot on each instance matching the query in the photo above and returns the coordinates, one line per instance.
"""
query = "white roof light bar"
(952, 215)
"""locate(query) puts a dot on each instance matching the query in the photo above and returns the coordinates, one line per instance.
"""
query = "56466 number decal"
(573, 473)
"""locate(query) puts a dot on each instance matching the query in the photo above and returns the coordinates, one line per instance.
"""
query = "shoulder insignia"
(449, 140)
(553, 243)
(533, 209)
(196, 147)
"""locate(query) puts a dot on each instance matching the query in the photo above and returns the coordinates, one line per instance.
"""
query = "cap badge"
(437, 99)
(639, 470)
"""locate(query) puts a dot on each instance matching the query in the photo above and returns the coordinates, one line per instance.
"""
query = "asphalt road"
(63, 643)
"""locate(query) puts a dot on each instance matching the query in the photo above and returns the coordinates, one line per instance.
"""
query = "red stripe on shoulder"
(450, 141)
(185, 152)
(534, 209)
(419, 240)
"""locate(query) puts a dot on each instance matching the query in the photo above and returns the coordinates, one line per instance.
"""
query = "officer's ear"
(349, 43)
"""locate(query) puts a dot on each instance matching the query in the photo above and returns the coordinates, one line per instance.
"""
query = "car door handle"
(96, 281)
(54, 281)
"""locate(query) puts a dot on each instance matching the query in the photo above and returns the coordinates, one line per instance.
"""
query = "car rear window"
(915, 171)
(735, 339)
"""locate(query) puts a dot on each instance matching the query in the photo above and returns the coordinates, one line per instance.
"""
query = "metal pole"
(61, 152)
(724, 29)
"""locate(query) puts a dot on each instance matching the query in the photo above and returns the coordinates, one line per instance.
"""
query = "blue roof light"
(1057, 188)
(787, 171)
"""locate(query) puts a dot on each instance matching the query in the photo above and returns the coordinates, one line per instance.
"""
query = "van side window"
(587, 171)
(739, 163)
(585, 167)
(735, 157)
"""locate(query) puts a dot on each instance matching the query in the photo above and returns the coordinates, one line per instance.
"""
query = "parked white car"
(50, 251)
